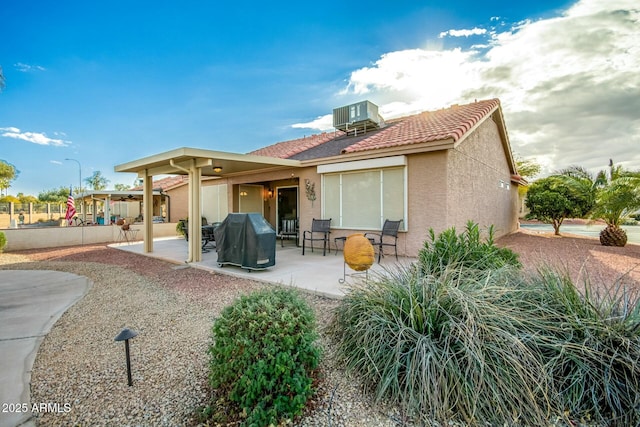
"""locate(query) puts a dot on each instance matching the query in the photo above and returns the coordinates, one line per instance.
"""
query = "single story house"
(437, 169)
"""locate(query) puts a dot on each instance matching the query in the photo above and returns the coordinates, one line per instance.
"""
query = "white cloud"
(10, 129)
(39, 138)
(25, 68)
(322, 123)
(568, 85)
(463, 33)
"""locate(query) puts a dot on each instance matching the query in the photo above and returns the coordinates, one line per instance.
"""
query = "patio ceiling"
(176, 162)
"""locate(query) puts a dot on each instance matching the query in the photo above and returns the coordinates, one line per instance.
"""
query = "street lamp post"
(80, 176)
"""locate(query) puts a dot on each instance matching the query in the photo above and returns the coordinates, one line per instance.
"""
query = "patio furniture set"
(320, 231)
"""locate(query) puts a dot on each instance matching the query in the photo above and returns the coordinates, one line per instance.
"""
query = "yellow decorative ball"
(358, 252)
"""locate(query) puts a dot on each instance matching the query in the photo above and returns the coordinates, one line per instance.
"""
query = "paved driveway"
(30, 303)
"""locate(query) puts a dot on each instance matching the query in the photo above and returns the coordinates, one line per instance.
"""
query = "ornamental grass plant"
(449, 341)
(592, 348)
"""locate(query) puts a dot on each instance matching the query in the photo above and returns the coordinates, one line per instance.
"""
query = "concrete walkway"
(313, 271)
(31, 302)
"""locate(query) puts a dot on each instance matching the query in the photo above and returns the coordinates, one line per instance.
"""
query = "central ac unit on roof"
(355, 117)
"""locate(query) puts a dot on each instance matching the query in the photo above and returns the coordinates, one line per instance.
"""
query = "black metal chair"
(289, 228)
(208, 238)
(320, 229)
(390, 231)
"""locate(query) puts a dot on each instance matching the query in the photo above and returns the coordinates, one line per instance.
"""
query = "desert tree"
(551, 200)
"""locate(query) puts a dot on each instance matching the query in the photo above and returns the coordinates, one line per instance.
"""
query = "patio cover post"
(147, 197)
(195, 213)
(107, 210)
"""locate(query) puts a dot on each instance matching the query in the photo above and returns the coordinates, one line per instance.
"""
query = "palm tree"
(616, 195)
(97, 181)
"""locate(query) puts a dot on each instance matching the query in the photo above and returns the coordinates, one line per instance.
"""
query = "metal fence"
(15, 214)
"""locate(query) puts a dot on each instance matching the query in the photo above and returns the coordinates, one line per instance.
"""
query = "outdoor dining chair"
(319, 232)
(388, 237)
(288, 229)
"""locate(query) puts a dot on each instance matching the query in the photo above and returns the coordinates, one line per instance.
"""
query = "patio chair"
(390, 232)
(319, 232)
(208, 236)
(289, 228)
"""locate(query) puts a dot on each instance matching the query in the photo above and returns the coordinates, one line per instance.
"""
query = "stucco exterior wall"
(179, 203)
(427, 199)
(53, 237)
(479, 183)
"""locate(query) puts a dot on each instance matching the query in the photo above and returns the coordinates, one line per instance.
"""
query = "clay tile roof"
(286, 149)
(165, 183)
(450, 123)
(430, 126)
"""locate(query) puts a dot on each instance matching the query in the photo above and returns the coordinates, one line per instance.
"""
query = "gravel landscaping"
(173, 308)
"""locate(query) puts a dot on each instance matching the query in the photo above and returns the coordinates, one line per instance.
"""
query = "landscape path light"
(125, 335)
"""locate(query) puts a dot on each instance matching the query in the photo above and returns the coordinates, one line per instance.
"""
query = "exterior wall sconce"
(243, 193)
(267, 194)
(125, 335)
(217, 169)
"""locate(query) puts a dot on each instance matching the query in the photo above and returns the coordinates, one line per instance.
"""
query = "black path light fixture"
(125, 335)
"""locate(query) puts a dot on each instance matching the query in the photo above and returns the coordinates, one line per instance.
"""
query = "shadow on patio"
(312, 272)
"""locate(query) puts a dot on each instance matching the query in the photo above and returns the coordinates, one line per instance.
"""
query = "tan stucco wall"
(479, 183)
(427, 198)
(178, 203)
(52, 237)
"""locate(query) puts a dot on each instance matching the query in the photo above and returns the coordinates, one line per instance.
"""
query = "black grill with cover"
(246, 240)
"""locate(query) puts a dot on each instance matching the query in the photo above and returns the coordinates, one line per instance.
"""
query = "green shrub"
(454, 342)
(3, 241)
(263, 355)
(182, 226)
(467, 249)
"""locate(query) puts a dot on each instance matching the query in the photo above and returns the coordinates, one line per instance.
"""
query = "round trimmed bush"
(264, 354)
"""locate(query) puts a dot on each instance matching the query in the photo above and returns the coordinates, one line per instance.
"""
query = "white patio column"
(147, 198)
(107, 210)
(94, 210)
(195, 214)
(193, 168)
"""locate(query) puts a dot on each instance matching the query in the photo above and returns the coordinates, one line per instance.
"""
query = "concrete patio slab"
(312, 272)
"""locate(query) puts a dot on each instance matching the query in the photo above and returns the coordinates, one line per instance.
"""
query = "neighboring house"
(435, 169)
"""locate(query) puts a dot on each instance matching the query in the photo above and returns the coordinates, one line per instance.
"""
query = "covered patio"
(112, 201)
(195, 163)
(312, 272)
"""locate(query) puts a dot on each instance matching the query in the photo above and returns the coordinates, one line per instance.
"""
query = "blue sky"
(107, 83)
